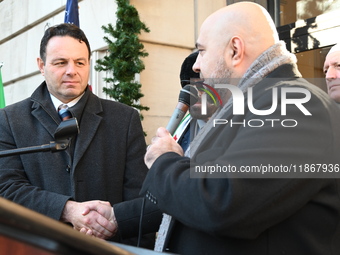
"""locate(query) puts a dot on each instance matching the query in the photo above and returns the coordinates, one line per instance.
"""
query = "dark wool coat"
(107, 162)
(257, 216)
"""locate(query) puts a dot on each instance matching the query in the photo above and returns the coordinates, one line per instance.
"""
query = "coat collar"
(43, 109)
(87, 111)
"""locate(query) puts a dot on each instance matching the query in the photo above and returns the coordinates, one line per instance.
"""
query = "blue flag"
(71, 12)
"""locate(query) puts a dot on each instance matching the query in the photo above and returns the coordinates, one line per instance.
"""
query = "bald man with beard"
(235, 212)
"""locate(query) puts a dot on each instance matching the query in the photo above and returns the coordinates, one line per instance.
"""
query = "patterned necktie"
(64, 113)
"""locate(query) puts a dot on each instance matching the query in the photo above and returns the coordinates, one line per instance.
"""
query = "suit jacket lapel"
(45, 121)
(89, 121)
(42, 99)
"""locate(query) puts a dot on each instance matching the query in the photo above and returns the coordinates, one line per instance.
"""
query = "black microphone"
(187, 96)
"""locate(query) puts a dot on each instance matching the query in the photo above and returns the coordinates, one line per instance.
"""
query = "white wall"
(23, 23)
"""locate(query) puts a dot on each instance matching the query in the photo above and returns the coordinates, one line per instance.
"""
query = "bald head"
(246, 19)
(240, 32)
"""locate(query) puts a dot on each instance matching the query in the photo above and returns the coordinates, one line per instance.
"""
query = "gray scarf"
(268, 61)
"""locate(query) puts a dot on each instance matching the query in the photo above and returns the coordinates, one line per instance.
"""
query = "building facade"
(309, 28)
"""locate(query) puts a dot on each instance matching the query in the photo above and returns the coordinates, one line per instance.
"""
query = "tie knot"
(64, 113)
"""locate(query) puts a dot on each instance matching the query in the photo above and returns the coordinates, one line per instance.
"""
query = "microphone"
(65, 130)
(188, 96)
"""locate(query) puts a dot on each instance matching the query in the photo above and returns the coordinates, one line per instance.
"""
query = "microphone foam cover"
(188, 95)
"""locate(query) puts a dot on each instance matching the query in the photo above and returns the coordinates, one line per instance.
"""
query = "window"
(309, 28)
(293, 10)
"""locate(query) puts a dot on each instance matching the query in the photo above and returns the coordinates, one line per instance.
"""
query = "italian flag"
(2, 95)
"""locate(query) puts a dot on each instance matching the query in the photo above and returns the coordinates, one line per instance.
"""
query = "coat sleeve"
(138, 212)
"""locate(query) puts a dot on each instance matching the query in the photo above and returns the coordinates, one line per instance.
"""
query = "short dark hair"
(64, 29)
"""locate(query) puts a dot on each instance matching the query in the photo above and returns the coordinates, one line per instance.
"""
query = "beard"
(196, 111)
(221, 75)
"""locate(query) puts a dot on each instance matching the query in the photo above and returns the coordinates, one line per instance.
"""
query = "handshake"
(95, 218)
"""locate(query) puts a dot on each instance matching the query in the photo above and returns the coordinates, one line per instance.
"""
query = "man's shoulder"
(116, 110)
(19, 106)
(110, 104)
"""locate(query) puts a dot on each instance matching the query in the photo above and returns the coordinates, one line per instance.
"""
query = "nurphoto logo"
(238, 105)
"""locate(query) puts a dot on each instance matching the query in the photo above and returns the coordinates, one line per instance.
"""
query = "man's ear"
(236, 45)
(41, 64)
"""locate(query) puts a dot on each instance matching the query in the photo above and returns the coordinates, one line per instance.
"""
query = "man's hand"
(103, 208)
(160, 144)
(98, 222)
